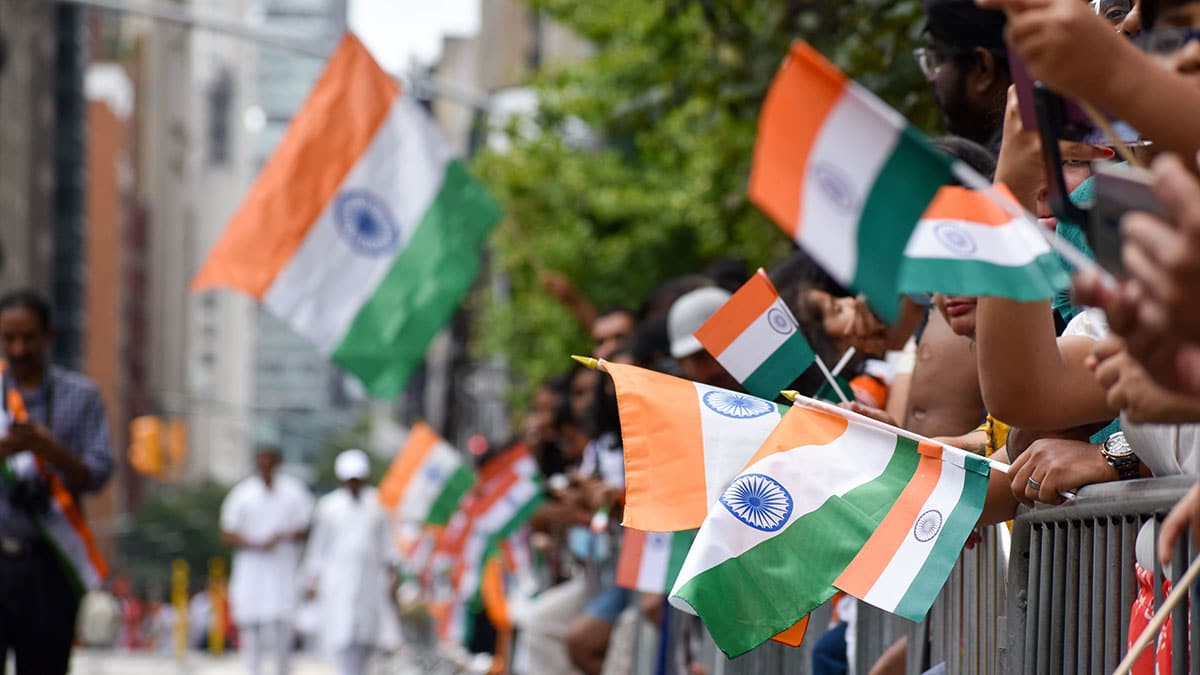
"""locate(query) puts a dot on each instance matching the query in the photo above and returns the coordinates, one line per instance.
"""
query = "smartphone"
(1119, 189)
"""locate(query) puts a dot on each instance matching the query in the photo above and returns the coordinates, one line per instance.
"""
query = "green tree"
(670, 97)
(181, 523)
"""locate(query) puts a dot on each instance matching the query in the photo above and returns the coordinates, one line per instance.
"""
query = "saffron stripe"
(421, 441)
(731, 320)
(629, 564)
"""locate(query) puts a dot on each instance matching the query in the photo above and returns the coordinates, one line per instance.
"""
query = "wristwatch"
(1119, 455)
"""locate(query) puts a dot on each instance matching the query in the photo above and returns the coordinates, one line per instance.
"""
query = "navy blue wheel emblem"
(928, 525)
(781, 323)
(954, 238)
(366, 223)
(759, 501)
(836, 185)
(737, 406)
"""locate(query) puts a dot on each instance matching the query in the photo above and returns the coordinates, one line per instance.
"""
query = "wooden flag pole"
(1179, 592)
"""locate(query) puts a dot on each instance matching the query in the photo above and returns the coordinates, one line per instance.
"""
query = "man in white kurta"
(348, 566)
(265, 518)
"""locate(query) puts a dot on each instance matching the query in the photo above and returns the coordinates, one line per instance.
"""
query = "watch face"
(1117, 446)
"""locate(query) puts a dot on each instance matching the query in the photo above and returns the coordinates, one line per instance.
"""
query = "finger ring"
(1033, 484)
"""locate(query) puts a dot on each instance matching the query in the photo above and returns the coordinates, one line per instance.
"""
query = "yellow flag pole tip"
(587, 361)
(789, 394)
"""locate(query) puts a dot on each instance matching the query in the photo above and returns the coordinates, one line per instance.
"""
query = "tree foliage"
(670, 97)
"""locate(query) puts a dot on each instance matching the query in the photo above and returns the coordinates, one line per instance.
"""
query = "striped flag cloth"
(684, 441)
(427, 480)
(757, 339)
(965, 244)
(650, 561)
(843, 174)
(362, 232)
(62, 524)
(829, 501)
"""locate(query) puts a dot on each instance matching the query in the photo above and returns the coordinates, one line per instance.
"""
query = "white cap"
(352, 464)
(688, 314)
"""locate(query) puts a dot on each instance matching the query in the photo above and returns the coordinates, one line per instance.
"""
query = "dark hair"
(659, 300)
(28, 299)
(1150, 10)
(728, 273)
(795, 278)
(973, 154)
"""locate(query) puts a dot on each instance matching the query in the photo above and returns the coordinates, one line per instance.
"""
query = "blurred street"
(105, 662)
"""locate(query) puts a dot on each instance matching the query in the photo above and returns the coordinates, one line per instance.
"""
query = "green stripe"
(746, 600)
(905, 186)
(826, 392)
(387, 339)
(447, 501)
(1038, 280)
(74, 578)
(929, 581)
(681, 543)
(781, 368)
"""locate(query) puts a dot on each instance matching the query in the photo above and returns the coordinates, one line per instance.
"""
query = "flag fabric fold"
(816, 494)
(757, 339)
(842, 174)
(965, 244)
(684, 441)
(427, 480)
(362, 232)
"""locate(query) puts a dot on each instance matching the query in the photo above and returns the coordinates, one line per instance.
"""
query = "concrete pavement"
(97, 662)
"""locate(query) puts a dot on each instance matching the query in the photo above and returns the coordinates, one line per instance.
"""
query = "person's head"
(1171, 35)
(266, 459)
(1077, 161)
(608, 331)
(352, 468)
(973, 154)
(658, 301)
(965, 59)
(581, 393)
(847, 321)
(958, 311)
(686, 316)
(1125, 15)
(25, 332)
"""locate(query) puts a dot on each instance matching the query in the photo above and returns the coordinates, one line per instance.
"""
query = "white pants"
(544, 629)
(351, 660)
(273, 638)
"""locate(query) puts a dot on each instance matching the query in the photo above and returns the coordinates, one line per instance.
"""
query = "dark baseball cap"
(960, 23)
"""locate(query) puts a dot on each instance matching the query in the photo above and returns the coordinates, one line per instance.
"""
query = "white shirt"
(348, 561)
(264, 584)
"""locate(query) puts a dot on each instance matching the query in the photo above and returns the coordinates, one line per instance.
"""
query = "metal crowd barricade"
(1072, 581)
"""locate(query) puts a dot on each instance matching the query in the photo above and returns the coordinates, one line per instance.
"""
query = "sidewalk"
(96, 662)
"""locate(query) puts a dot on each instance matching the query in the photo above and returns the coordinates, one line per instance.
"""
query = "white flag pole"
(829, 377)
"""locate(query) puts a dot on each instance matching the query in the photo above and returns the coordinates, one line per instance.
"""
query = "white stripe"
(71, 545)
(429, 481)
(729, 442)
(652, 570)
(899, 574)
(1010, 245)
(323, 286)
(811, 475)
(855, 141)
(749, 350)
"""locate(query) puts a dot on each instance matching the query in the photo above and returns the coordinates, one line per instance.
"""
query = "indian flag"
(62, 524)
(843, 174)
(757, 339)
(684, 441)
(965, 244)
(363, 232)
(650, 561)
(427, 479)
(816, 494)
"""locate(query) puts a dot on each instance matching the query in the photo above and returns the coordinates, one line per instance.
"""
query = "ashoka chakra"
(759, 501)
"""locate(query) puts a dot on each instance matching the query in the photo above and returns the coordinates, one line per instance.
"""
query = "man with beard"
(966, 62)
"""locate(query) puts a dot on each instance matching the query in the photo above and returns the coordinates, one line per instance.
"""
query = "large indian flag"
(965, 244)
(757, 339)
(427, 480)
(842, 173)
(362, 232)
(818, 493)
(683, 441)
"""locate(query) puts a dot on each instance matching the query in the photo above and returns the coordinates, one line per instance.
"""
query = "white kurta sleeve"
(232, 510)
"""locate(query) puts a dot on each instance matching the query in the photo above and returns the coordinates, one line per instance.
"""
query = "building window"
(220, 109)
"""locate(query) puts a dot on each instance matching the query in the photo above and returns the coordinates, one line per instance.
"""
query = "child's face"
(1185, 59)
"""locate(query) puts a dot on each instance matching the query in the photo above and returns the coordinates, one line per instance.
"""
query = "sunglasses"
(1165, 40)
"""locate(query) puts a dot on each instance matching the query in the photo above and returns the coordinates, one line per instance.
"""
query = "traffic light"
(145, 445)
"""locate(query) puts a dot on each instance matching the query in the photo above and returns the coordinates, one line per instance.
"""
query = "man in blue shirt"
(67, 430)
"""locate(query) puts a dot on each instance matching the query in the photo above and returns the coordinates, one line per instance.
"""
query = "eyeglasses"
(930, 60)
(1165, 40)
(1114, 11)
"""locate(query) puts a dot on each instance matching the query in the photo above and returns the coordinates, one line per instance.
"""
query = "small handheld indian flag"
(966, 244)
(427, 480)
(829, 502)
(842, 173)
(362, 232)
(683, 441)
(650, 561)
(757, 339)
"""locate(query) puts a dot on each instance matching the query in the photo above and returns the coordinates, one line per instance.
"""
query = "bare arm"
(1028, 377)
